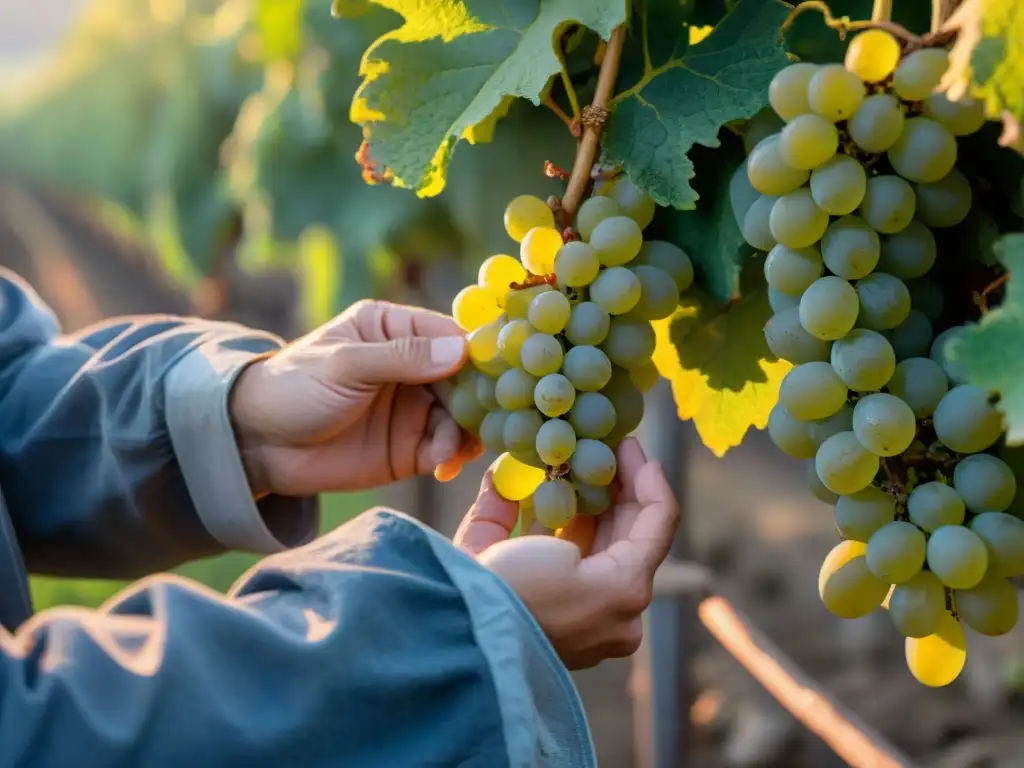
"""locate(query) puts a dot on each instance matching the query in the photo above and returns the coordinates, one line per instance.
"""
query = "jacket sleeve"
(378, 645)
(117, 455)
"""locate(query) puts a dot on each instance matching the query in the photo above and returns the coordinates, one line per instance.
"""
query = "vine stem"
(586, 152)
(881, 11)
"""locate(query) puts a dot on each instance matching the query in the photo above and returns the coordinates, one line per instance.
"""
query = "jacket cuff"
(199, 423)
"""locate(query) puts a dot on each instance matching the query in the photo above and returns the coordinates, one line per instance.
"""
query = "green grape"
(485, 386)
(926, 298)
(932, 505)
(465, 408)
(796, 221)
(990, 607)
(554, 395)
(919, 73)
(938, 659)
(946, 202)
(850, 248)
(834, 93)
(985, 483)
(807, 142)
(576, 263)
(957, 556)
(788, 340)
(966, 422)
(554, 503)
(741, 194)
(630, 343)
(515, 480)
(756, 223)
(592, 499)
(961, 117)
(492, 430)
(529, 458)
(889, 204)
(483, 343)
(884, 424)
(884, 301)
(844, 465)
(920, 383)
(644, 376)
(520, 430)
(821, 493)
(517, 303)
(588, 324)
(588, 368)
(925, 151)
(812, 391)
(846, 586)
(633, 201)
(524, 213)
(859, 515)
(514, 389)
(511, 338)
(838, 186)
(940, 354)
(864, 360)
(668, 257)
(790, 435)
(909, 253)
(916, 606)
(792, 270)
(616, 240)
(877, 123)
(539, 248)
(592, 212)
(592, 415)
(549, 312)
(787, 92)
(628, 402)
(912, 337)
(556, 440)
(593, 462)
(616, 290)
(768, 171)
(541, 354)
(829, 308)
(840, 421)
(659, 296)
(896, 552)
(1003, 536)
(872, 55)
(779, 301)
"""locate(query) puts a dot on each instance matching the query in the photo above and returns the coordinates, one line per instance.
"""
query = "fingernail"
(447, 350)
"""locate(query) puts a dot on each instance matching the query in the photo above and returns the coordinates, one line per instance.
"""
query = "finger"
(491, 519)
(378, 321)
(631, 458)
(655, 526)
(406, 360)
(580, 531)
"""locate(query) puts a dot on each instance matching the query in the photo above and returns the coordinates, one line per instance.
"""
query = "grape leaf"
(448, 68)
(723, 375)
(686, 93)
(992, 352)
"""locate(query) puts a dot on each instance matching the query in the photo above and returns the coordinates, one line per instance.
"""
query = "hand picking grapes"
(849, 196)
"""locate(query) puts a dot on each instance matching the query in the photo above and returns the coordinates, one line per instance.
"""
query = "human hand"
(354, 404)
(588, 587)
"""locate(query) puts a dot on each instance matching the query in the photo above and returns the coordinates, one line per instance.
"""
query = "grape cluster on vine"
(844, 198)
(561, 344)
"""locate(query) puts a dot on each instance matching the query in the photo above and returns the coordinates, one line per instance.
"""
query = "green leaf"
(685, 93)
(449, 67)
(992, 352)
(709, 233)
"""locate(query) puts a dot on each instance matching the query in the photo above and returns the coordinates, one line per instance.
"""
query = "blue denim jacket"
(377, 645)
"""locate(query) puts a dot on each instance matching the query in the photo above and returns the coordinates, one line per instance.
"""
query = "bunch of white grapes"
(561, 344)
(845, 198)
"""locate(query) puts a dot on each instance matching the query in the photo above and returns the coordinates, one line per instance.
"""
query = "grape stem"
(982, 298)
(881, 11)
(572, 123)
(593, 120)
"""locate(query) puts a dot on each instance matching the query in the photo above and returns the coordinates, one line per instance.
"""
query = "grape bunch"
(561, 344)
(845, 199)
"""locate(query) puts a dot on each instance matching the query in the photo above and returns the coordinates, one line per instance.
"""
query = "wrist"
(244, 423)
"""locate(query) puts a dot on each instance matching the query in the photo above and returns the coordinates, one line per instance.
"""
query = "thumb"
(407, 360)
(490, 519)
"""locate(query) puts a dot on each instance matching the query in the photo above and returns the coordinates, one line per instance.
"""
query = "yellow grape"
(514, 480)
(524, 213)
(846, 586)
(475, 306)
(873, 55)
(483, 343)
(498, 272)
(539, 248)
(936, 660)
